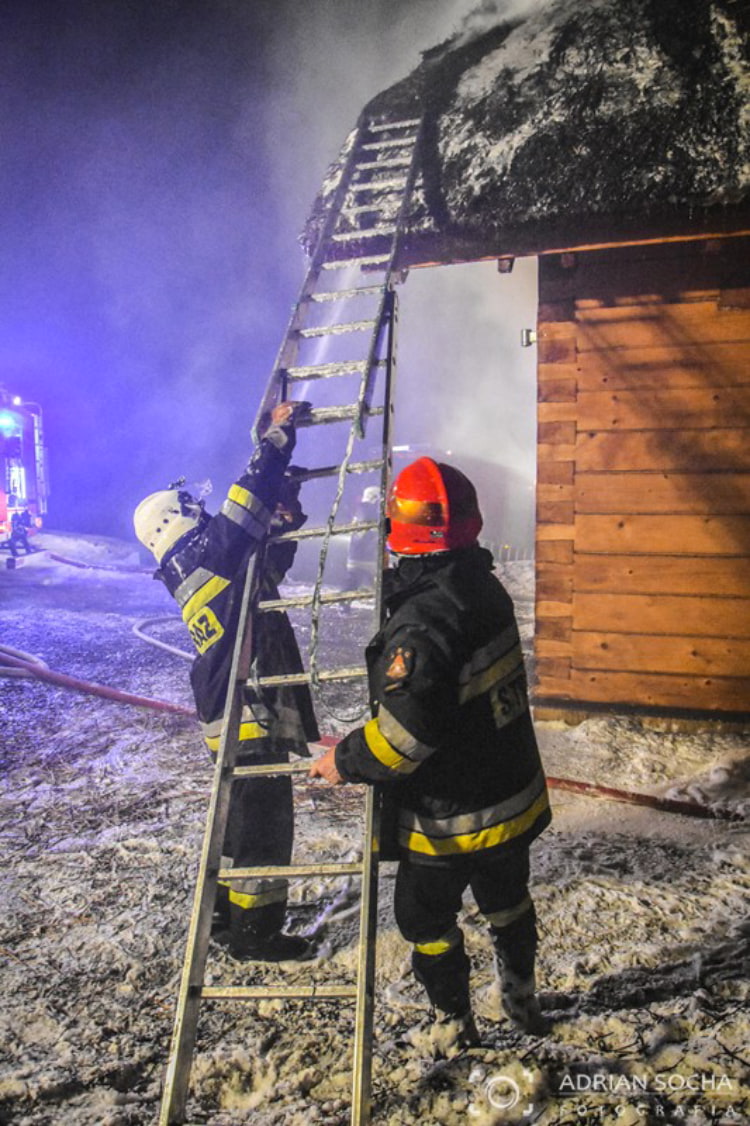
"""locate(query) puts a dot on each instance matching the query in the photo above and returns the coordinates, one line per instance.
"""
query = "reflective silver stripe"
(509, 914)
(212, 730)
(478, 819)
(397, 735)
(499, 661)
(482, 658)
(248, 500)
(385, 752)
(285, 725)
(258, 886)
(240, 515)
(189, 586)
(253, 892)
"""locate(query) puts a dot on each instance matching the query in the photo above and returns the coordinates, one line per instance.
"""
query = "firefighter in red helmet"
(452, 729)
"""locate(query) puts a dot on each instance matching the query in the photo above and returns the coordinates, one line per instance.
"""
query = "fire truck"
(23, 463)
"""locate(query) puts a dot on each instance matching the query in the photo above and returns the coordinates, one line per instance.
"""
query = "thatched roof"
(580, 123)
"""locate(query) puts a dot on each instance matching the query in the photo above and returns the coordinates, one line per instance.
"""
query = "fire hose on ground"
(13, 662)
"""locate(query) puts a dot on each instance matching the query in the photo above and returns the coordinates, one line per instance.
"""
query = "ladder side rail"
(317, 595)
(364, 1018)
(383, 320)
(366, 395)
(277, 382)
(365, 1007)
(177, 1079)
(386, 469)
(356, 431)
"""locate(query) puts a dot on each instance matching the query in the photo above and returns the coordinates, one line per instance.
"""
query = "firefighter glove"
(283, 418)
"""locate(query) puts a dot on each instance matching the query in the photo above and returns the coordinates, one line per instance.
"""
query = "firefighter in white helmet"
(203, 561)
(452, 737)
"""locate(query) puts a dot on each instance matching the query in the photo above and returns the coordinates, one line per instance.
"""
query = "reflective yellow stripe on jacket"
(246, 510)
(392, 745)
(480, 829)
(249, 729)
(498, 662)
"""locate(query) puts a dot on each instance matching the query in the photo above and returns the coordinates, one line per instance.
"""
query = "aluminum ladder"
(347, 296)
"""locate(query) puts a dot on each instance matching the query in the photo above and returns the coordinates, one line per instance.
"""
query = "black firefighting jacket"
(451, 713)
(206, 576)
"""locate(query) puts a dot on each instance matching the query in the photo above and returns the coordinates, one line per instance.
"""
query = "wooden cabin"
(610, 140)
(643, 482)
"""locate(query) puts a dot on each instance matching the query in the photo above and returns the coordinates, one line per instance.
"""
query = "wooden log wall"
(643, 485)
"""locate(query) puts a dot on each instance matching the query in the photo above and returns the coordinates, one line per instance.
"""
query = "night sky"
(159, 160)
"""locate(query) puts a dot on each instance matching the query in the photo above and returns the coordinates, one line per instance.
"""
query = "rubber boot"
(445, 977)
(515, 956)
(521, 1003)
(255, 935)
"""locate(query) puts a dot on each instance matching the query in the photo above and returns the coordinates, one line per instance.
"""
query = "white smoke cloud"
(159, 163)
(489, 13)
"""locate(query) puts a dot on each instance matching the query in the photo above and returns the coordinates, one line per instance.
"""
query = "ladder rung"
(327, 599)
(384, 126)
(272, 871)
(365, 208)
(364, 260)
(344, 294)
(391, 184)
(390, 143)
(338, 329)
(336, 530)
(325, 371)
(333, 470)
(299, 766)
(352, 673)
(365, 232)
(287, 992)
(320, 415)
(391, 162)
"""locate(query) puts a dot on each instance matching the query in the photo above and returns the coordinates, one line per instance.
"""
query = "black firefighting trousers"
(427, 902)
(260, 831)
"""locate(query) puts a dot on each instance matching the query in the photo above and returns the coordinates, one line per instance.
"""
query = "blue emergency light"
(10, 422)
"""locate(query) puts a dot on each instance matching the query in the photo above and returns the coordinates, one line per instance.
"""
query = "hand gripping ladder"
(350, 271)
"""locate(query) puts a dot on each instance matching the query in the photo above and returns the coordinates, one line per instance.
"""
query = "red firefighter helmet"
(432, 507)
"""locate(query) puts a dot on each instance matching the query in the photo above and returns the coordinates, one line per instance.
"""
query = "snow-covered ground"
(644, 952)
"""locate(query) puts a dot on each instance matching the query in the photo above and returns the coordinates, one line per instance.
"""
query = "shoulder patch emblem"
(400, 665)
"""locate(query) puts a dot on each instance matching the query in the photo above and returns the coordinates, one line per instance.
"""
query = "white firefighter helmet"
(164, 518)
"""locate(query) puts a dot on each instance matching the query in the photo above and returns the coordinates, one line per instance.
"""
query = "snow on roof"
(559, 117)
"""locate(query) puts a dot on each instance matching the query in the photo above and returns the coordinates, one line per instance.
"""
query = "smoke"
(160, 158)
(465, 385)
(490, 13)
